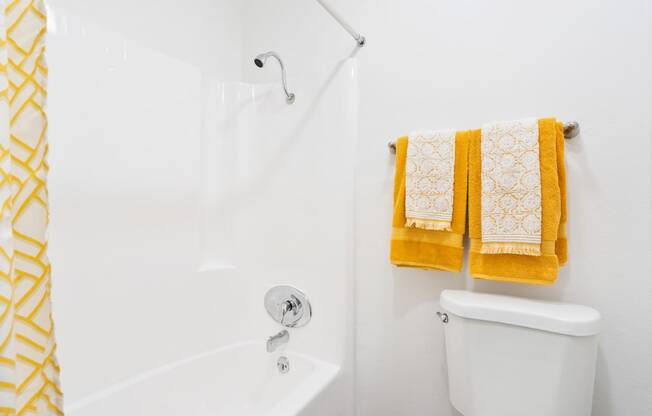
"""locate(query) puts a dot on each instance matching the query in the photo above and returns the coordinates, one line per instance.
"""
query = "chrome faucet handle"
(285, 308)
(288, 306)
(293, 306)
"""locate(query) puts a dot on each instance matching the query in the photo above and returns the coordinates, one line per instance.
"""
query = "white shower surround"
(181, 194)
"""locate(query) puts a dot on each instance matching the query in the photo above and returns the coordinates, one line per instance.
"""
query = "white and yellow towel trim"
(430, 172)
(511, 188)
(29, 373)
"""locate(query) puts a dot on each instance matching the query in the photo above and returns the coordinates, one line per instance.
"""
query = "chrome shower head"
(260, 62)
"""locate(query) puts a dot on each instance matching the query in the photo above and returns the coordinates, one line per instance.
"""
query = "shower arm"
(260, 62)
(288, 94)
(360, 40)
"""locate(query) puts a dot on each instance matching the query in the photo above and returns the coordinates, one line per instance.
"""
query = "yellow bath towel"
(561, 245)
(430, 249)
(521, 268)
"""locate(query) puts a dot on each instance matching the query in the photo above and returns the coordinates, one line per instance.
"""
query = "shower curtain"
(29, 373)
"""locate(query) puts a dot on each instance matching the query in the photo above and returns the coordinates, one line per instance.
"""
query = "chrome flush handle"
(443, 317)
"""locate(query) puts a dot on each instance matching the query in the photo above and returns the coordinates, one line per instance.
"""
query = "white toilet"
(511, 356)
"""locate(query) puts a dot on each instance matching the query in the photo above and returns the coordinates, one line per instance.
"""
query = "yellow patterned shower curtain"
(29, 373)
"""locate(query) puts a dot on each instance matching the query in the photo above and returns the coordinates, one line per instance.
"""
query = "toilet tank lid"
(561, 318)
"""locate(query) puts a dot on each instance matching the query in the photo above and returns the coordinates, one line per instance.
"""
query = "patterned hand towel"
(430, 249)
(532, 269)
(429, 177)
(511, 188)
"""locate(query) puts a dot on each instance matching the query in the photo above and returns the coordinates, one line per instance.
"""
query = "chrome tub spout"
(277, 340)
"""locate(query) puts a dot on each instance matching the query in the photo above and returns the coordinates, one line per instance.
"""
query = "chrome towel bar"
(571, 129)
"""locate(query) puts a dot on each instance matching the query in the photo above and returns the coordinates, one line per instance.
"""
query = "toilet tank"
(511, 356)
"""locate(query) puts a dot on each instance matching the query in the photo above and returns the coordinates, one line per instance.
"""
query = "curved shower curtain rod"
(359, 39)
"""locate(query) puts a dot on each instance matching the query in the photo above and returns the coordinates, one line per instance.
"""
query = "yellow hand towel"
(430, 249)
(524, 268)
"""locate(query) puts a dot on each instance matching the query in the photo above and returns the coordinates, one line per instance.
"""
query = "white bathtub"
(236, 380)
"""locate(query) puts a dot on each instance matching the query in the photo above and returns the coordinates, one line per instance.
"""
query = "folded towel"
(532, 269)
(511, 188)
(430, 170)
(430, 249)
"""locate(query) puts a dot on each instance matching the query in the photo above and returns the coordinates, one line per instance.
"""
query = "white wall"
(432, 64)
